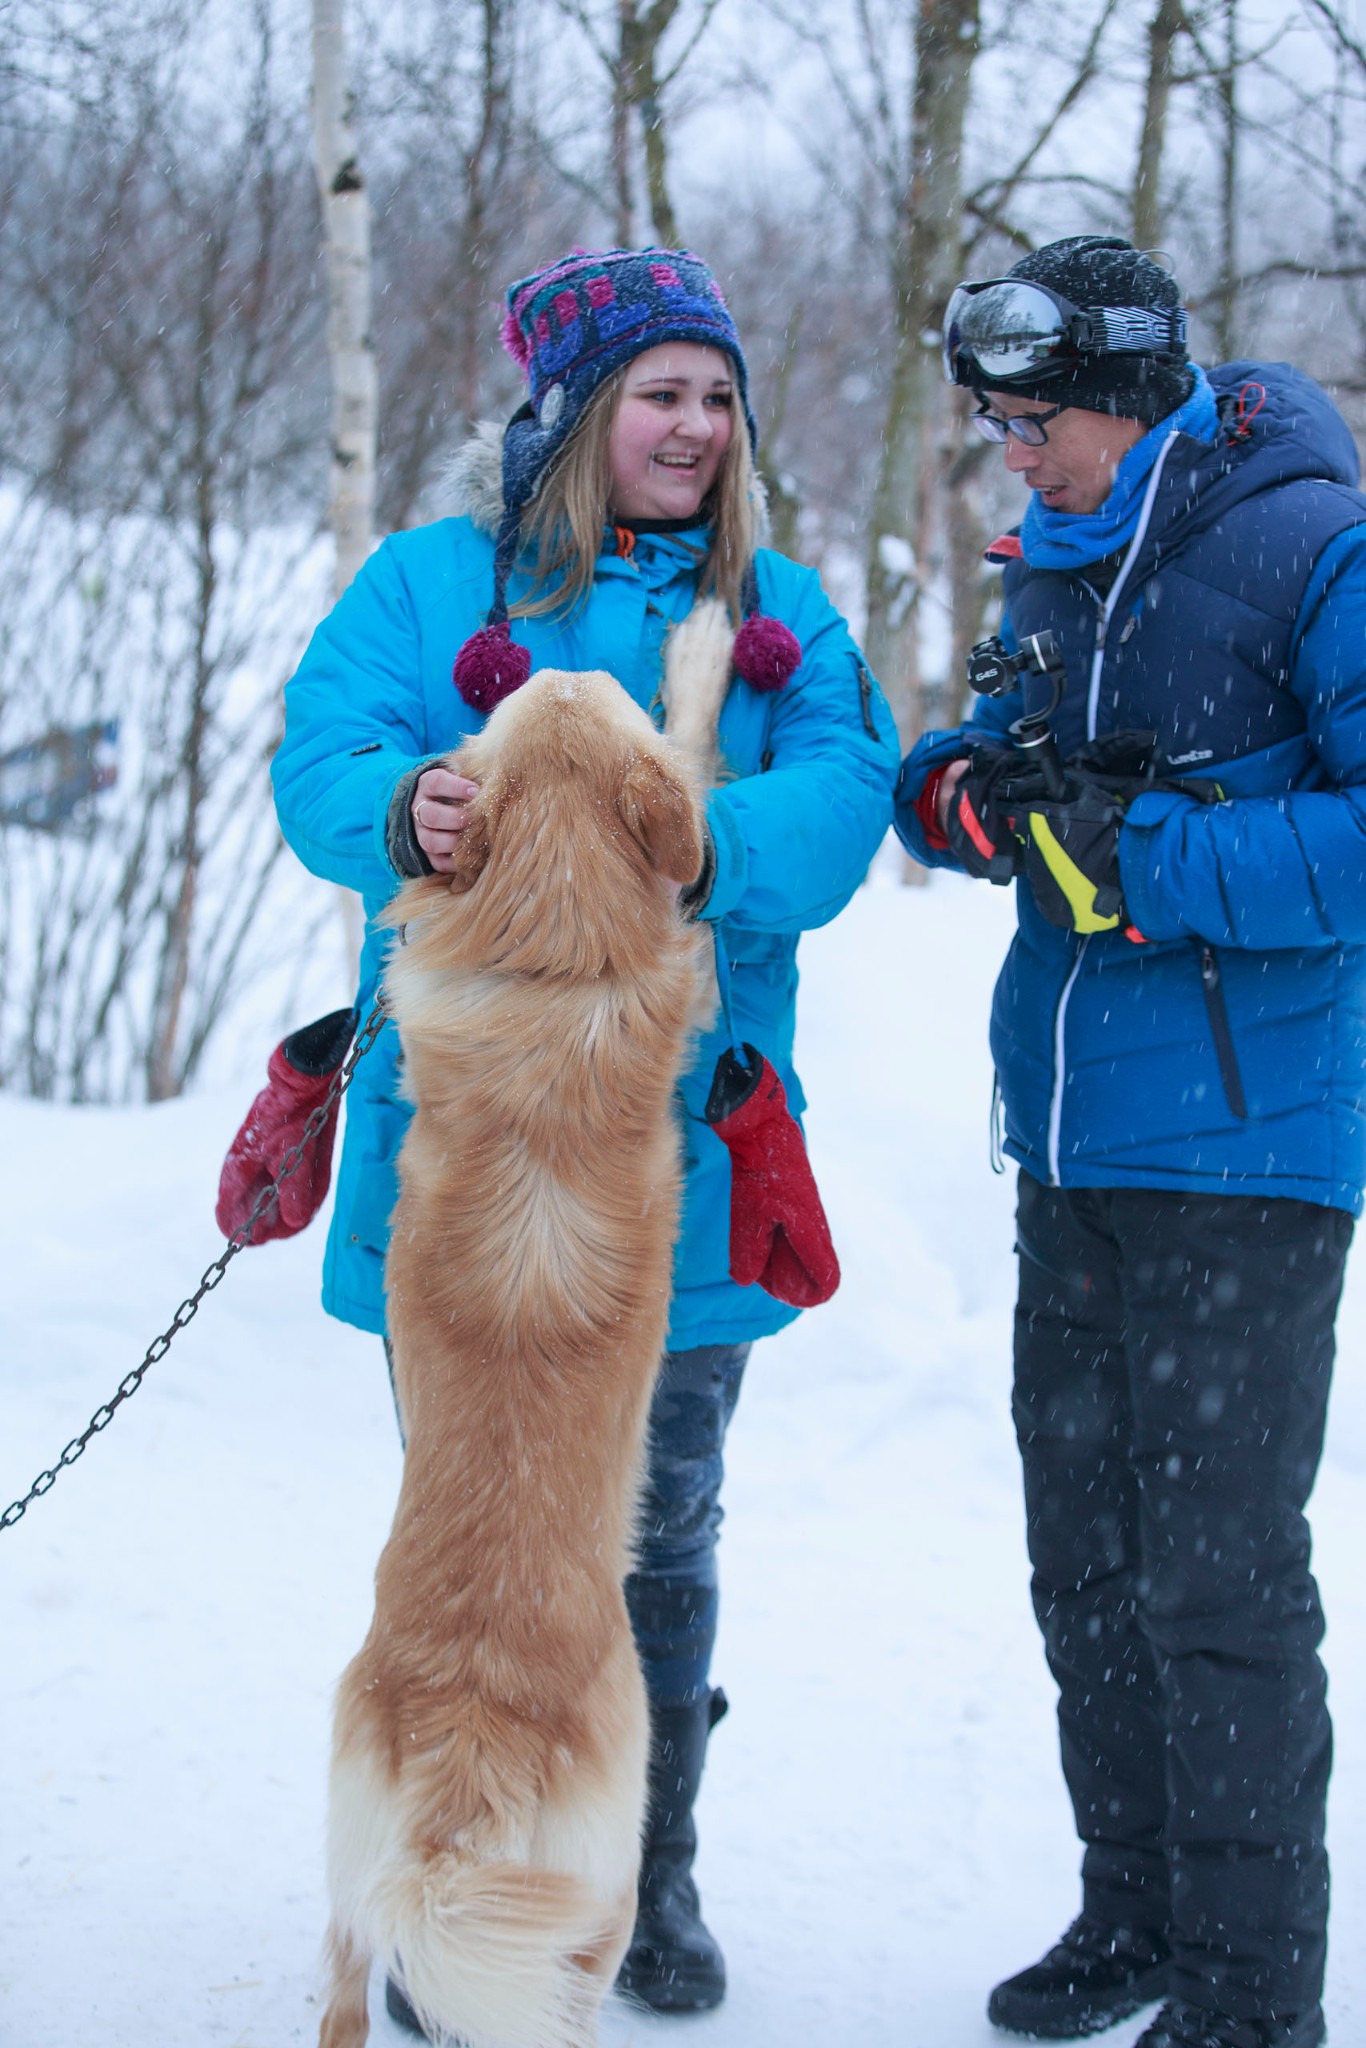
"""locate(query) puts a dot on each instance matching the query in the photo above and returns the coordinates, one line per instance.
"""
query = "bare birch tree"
(628, 44)
(350, 347)
(1168, 20)
(926, 260)
(176, 286)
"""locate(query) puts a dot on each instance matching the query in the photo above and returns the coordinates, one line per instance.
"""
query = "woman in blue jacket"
(620, 492)
(1180, 1036)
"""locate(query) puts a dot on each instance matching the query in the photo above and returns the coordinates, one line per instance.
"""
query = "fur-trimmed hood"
(472, 487)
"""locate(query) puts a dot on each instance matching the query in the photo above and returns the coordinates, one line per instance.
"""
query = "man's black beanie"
(1102, 270)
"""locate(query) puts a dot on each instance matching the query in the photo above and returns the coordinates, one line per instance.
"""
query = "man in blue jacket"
(1180, 1035)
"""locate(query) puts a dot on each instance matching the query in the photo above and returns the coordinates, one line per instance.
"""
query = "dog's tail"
(498, 1955)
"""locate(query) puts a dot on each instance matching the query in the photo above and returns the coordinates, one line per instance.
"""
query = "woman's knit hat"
(1103, 270)
(571, 327)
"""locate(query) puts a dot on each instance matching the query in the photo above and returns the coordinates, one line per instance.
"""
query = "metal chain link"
(189, 1308)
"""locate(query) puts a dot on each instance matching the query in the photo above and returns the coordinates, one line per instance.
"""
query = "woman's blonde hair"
(564, 522)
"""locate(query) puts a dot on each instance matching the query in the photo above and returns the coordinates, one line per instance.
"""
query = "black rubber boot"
(397, 2006)
(1179, 2025)
(1096, 1975)
(673, 1964)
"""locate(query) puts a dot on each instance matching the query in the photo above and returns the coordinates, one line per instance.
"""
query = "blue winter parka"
(803, 805)
(1226, 1053)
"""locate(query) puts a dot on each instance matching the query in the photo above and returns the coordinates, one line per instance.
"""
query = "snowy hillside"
(883, 1824)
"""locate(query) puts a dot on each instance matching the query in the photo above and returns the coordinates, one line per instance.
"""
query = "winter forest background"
(884, 1829)
(166, 414)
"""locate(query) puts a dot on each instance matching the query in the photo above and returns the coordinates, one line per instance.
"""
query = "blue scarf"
(1071, 540)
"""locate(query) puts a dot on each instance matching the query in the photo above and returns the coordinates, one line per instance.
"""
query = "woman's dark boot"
(673, 1964)
(399, 2010)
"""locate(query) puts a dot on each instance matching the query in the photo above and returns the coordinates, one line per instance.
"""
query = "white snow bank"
(883, 1822)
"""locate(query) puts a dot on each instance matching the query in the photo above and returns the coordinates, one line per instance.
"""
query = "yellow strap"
(1078, 888)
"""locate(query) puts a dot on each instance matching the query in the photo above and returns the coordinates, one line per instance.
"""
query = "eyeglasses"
(1006, 327)
(1027, 427)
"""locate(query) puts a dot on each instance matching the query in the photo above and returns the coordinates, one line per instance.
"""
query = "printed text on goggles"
(1006, 327)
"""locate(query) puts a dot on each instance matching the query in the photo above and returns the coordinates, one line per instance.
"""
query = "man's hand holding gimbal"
(999, 822)
(1071, 857)
(971, 817)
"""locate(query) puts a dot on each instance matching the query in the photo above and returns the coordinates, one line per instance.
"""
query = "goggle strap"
(1134, 330)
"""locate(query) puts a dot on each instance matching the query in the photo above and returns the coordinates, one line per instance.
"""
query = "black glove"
(1002, 822)
(979, 825)
(1071, 857)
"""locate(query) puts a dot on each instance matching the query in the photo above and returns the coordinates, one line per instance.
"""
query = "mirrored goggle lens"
(1006, 329)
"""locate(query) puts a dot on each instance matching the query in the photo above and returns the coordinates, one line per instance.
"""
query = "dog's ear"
(660, 811)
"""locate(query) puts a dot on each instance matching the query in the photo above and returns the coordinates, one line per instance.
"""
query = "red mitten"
(301, 1070)
(778, 1232)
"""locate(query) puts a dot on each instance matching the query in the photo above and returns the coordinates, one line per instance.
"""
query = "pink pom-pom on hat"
(490, 666)
(515, 342)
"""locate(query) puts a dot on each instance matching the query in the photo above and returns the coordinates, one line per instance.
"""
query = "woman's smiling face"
(672, 426)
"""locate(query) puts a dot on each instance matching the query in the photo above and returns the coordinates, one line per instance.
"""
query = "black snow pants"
(1172, 1362)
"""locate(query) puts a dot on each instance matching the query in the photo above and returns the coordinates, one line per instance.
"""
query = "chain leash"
(189, 1308)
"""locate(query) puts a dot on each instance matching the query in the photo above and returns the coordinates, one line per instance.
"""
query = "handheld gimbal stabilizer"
(993, 671)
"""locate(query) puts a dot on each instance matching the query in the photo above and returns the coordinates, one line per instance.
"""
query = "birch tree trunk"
(1225, 309)
(638, 88)
(1163, 30)
(346, 239)
(484, 164)
(350, 347)
(622, 103)
(926, 260)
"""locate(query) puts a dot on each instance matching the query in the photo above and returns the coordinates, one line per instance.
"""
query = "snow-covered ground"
(883, 1821)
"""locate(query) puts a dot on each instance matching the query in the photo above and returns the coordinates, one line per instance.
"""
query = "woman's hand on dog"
(440, 813)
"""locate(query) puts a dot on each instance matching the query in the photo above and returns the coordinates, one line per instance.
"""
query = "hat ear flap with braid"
(491, 664)
(767, 653)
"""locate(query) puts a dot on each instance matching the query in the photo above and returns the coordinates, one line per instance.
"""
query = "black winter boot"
(673, 1964)
(1096, 1975)
(1179, 2025)
(397, 2006)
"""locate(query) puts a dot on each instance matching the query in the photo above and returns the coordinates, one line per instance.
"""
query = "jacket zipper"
(1055, 1105)
(865, 695)
(1107, 610)
(1216, 1002)
(1106, 613)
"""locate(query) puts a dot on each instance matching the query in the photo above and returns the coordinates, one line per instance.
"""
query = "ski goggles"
(1007, 327)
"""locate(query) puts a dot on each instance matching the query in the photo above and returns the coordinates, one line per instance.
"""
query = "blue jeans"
(672, 1594)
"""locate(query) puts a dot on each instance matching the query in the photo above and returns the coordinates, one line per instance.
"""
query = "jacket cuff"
(927, 810)
(730, 876)
(405, 855)
(692, 901)
(919, 773)
(1146, 868)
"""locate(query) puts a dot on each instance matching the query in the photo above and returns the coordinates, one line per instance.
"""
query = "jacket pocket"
(1212, 981)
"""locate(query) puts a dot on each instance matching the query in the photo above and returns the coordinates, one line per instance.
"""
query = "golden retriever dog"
(489, 1752)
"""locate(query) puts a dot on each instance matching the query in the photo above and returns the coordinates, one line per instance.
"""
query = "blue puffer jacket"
(1228, 1052)
(813, 768)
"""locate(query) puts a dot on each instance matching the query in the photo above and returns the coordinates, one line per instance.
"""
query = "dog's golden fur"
(489, 1757)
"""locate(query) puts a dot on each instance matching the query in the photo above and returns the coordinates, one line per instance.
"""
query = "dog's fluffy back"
(489, 1756)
